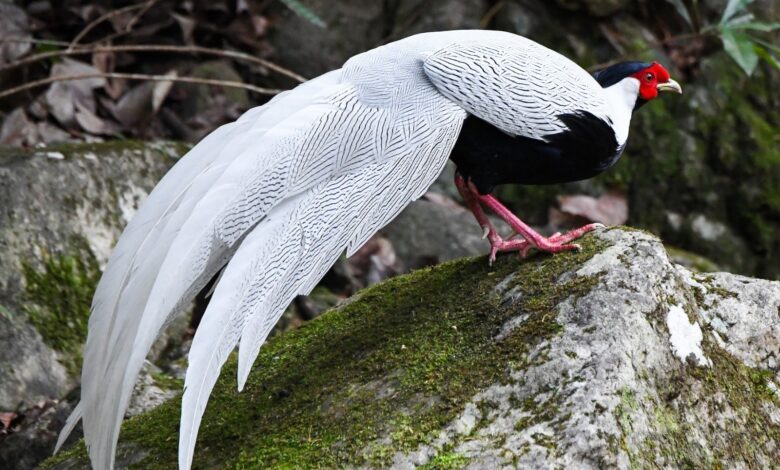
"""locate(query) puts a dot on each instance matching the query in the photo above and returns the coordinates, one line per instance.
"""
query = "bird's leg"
(497, 244)
(553, 244)
(473, 204)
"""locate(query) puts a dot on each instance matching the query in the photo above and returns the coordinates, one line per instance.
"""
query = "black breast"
(489, 157)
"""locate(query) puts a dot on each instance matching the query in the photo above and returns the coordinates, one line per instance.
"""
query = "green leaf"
(740, 20)
(682, 10)
(304, 12)
(741, 48)
(768, 57)
(756, 26)
(733, 8)
(4, 312)
(766, 44)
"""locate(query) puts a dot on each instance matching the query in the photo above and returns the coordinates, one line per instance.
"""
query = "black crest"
(610, 75)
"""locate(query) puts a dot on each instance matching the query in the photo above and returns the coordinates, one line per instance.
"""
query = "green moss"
(690, 260)
(58, 299)
(110, 147)
(709, 282)
(6, 313)
(167, 382)
(445, 461)
(381, 374)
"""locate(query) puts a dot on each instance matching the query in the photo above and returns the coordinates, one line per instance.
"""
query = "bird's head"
(652, 78)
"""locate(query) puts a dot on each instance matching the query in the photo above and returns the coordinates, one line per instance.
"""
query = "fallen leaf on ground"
(62, 96)
(13, 24)
(6, 418)
(610, 208)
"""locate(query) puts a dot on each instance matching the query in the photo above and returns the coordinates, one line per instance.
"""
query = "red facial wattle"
(649, 79)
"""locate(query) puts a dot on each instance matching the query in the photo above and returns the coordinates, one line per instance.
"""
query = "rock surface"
(613, 357)
(63, 208)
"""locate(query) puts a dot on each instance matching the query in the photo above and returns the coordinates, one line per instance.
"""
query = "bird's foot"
(553, 244)
(559, 242)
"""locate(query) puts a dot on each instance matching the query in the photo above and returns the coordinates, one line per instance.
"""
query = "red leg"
(497, 244)
(553, 244)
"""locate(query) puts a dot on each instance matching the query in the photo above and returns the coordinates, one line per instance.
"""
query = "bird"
(268, 203)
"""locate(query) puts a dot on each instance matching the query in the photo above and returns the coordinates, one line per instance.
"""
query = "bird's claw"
(555, 243)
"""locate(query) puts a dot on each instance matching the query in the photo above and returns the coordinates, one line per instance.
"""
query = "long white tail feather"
(211, 348)
(315, 234)
(70, 424)
(262, 281)
(196, 254)
(111, 324)
(325, 221)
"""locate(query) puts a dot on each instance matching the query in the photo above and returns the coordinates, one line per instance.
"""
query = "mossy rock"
(534, 362)
(63, 208)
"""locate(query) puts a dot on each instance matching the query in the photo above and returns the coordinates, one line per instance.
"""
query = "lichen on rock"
(559, 360)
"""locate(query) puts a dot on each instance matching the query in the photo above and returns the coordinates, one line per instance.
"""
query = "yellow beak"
(671, 85)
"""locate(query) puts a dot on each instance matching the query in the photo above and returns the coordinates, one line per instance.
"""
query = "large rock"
(427, 233)
(63, 208)
(612, 357)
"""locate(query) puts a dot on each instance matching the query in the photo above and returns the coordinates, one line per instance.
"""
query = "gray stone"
(602, 373)
(54, 199)
(648, 366)
(427, 233)
(149, 392)
(29, 370)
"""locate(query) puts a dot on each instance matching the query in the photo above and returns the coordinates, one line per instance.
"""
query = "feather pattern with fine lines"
(136, 259)
(275, 197)
(286, 253)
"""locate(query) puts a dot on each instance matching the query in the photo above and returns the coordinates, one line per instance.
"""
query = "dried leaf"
(119, 22)
(187, 26)
(50, 134)
(13, 24)
(610, 209)
(260, 24)
(88, 12)
(135, 106)
(62, 96)
(242, 6)
(17, 130)
(161, 90)
(6, 418)
(374, 261)
(93, 124)
(106, 62)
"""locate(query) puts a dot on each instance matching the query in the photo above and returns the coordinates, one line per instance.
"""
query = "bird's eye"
(649, 77)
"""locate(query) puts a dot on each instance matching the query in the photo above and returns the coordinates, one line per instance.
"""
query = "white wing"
(515, 84)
